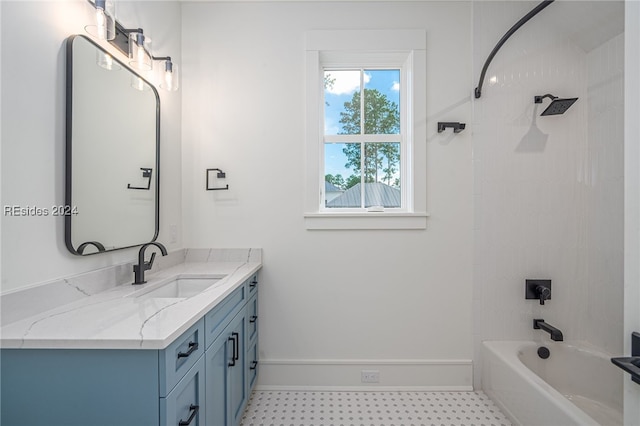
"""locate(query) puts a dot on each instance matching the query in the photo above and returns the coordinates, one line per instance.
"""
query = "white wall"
(549, 190)
(33, 132)
(632, 201)
(332, 302)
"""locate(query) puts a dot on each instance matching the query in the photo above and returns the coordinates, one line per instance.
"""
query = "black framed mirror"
(112, 159)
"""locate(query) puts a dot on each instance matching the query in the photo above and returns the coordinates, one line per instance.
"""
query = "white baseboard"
(345, 375)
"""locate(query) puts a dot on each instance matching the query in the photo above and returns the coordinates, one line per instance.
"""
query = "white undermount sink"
(181, 287)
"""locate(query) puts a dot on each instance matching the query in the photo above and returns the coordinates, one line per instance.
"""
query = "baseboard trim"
(345, 374)
(268, 388)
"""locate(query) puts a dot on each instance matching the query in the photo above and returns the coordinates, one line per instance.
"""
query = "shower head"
(557, 105)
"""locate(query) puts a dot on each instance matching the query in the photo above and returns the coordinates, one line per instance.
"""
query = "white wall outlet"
(370, 376)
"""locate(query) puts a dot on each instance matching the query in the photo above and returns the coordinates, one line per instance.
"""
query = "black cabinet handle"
(192, 347)
(234, 337)
(194, 412)
(236, 347)
(253, 283)
(253, 318)
(254, 365)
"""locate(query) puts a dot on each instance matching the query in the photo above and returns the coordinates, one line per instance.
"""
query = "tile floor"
(282, 408)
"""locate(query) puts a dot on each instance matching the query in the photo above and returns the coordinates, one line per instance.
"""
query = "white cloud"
(345, 82)
(396, 86)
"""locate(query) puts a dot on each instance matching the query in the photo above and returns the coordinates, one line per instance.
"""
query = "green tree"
(381, 116)
(336, 180)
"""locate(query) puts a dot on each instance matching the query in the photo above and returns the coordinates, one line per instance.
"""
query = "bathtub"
(575, 385)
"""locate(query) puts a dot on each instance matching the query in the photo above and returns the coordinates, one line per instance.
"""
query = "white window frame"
(368, 49)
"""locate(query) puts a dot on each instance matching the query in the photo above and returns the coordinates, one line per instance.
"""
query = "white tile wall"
(548, 190)
(605, 199)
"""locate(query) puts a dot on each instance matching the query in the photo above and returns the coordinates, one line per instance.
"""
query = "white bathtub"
(574, 386)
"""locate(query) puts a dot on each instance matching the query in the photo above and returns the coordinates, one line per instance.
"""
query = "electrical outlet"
(370, 376)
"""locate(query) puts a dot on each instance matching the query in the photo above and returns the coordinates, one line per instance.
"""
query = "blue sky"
(347, 82)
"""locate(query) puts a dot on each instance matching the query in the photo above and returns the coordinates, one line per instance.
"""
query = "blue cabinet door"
(217, 358)
(238, 372)
(226, 392)
(184, 406)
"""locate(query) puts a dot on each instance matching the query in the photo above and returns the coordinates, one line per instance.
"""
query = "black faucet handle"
(149, 264)
(544, 293)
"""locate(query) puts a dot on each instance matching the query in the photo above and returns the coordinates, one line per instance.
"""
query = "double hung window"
(363, 142)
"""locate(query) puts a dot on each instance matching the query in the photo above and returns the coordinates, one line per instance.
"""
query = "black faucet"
(138, 270)
(554, 332)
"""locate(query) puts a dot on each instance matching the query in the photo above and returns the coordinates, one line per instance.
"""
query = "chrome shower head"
(557, 105)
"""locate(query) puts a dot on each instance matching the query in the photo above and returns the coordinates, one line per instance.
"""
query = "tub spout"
(554, 332)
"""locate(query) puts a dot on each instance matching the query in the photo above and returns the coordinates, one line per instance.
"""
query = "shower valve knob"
(538, 289)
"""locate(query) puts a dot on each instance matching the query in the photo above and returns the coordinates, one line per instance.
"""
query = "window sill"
(370, 220)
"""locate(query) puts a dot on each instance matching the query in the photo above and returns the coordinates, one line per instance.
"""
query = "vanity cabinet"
(204, 377)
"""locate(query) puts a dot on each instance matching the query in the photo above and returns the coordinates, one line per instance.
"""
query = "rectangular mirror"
(112, 160)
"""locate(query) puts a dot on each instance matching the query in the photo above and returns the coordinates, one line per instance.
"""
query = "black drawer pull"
(235, 337)
(253, 318)
(194, 412)
(236, 347)
(192, 347)
(253, 283)
(254, 365)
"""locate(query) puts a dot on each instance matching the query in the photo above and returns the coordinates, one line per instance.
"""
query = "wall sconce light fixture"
(169, 79)
(105, 26)
(133, 43)
(140, 50)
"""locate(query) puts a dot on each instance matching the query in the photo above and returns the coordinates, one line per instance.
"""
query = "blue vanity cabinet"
(203, 377)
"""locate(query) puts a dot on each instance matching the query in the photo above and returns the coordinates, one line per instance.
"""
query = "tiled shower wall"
(548, 190)
(604, 178)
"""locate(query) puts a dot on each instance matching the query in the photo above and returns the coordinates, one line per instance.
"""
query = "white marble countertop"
(116, 319)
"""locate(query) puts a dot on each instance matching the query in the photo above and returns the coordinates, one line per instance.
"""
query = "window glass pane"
(382, 174)
(381, 102)
(342, 102)
(342, 175)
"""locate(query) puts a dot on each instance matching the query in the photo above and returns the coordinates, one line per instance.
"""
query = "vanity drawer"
(180, 356)
(185, 403)
(252, 283)
(217, 319)
(252, 319)
(252, 365)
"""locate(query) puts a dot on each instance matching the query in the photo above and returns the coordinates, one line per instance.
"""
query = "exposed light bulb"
(141, 53)
(168, 79)
(104, 27)
(101, 22)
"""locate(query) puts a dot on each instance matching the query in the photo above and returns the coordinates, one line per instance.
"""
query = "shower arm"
(521, 22)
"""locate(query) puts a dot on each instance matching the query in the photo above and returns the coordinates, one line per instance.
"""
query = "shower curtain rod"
(521, 22)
